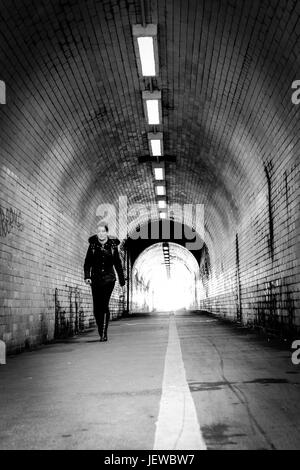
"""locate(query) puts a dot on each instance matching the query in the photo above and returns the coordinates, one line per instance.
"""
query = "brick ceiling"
(74, 98)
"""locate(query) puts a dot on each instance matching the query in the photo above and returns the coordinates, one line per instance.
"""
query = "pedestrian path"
(185, 381)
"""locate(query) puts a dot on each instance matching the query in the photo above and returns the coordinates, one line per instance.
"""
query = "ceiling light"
(159, 175)
(146, 50)
(152, 112)
(155, 147)
(152, 106)
(159, 171)
(155, 143)
(162, 204)
(160, 190)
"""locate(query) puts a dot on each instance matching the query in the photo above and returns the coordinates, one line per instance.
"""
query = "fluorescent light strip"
(155, 147)
(162, 204)
(152, 112)
(159, 173)
(146, 51)
(160, 190)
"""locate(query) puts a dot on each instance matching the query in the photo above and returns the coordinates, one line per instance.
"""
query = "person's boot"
(106, 326)
(100, 332)
(104, 329)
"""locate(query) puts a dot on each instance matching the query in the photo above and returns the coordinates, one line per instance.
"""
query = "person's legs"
(97, 304)
(107, 291)
(101, 295)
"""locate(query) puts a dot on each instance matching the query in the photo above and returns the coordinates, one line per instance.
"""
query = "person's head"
(102, 231)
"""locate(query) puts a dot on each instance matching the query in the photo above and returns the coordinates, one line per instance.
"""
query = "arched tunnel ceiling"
(141, 238)
(226, 67)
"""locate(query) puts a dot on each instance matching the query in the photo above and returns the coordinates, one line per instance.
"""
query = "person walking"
(101, 258)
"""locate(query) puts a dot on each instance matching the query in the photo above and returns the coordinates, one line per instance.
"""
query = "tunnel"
(192, 161)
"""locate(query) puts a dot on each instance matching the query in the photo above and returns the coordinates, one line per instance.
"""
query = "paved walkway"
(160, 382)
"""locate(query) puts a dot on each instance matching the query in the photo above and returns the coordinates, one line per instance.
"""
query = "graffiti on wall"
(69, 313)
(10, 219)
(276, 310)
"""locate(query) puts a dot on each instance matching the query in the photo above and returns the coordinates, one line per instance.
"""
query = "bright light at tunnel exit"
(172, 294)
(153, 290)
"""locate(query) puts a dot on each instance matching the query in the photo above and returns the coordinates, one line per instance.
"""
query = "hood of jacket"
(112, 240)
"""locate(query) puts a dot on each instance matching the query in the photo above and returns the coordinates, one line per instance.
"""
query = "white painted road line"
(147, 323)
(177, 426)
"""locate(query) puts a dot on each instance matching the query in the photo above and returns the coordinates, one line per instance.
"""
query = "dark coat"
(100, 260)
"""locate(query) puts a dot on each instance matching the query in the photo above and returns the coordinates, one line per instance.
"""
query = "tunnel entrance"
(165, 277)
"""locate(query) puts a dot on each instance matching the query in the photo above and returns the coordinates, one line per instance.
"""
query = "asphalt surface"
(236, 389)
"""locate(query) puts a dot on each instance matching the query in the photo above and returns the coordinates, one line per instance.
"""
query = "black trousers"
(101, 291)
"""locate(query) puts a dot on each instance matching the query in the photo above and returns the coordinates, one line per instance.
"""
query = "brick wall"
(42, 249)
(255, 277)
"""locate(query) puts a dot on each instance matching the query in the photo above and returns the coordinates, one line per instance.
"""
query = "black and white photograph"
(149, 228)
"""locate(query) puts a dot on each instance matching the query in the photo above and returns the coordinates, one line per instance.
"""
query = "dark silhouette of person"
(101, 258)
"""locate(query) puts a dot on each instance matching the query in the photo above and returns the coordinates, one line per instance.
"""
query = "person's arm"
(118, 265)
(88, 263)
